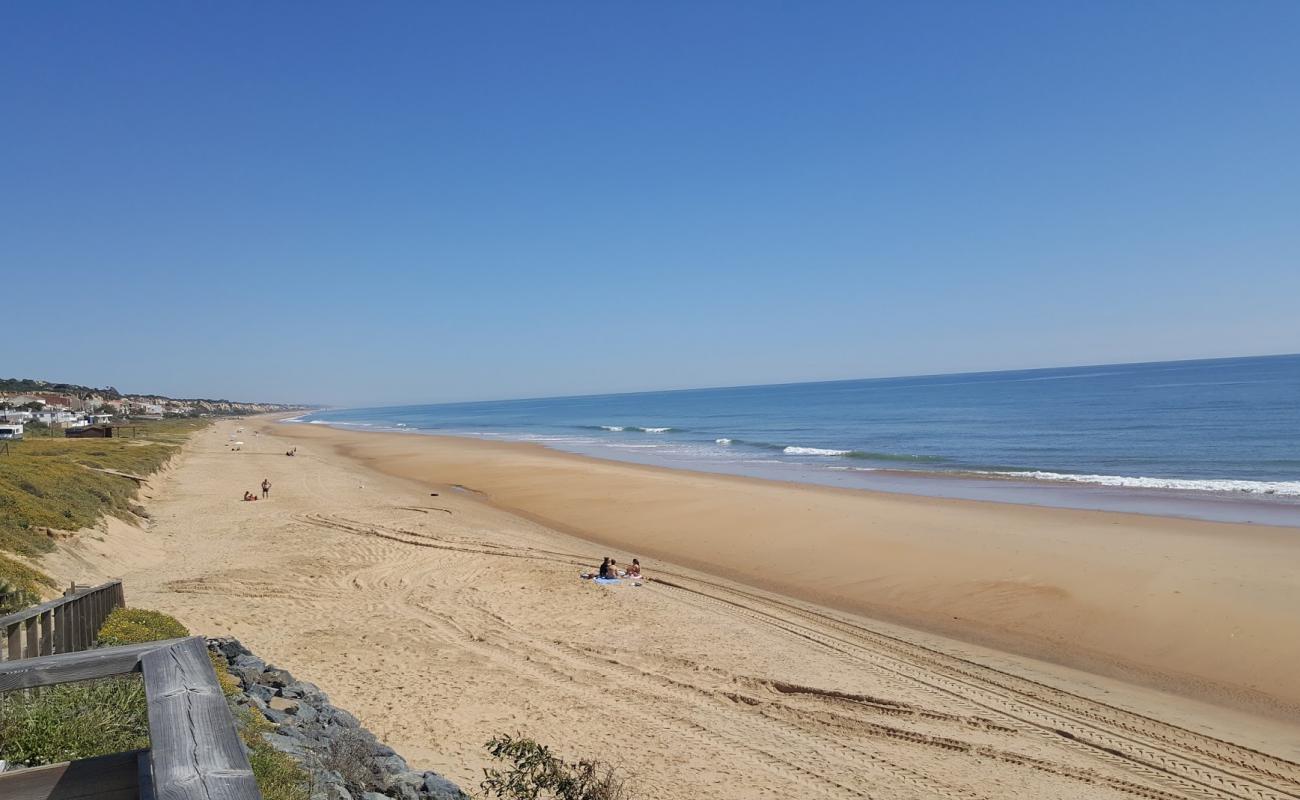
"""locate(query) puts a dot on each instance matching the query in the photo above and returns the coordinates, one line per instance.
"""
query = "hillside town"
(26, 402)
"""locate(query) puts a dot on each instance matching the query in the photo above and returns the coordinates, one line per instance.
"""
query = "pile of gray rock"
(345, 760)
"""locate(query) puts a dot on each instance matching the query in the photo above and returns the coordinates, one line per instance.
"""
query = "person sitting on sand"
(634, 571)
(613, 569)
(249, 496)
(606, 571)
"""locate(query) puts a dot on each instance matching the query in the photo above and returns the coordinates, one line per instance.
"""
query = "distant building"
(50, 416)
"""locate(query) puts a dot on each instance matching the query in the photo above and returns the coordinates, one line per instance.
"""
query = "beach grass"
(55, 484)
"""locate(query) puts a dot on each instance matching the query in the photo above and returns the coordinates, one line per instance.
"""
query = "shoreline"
(1156, 612)
(1014, 487)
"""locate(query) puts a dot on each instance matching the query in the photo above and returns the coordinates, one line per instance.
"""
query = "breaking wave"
(814, 451)
(1280, 488)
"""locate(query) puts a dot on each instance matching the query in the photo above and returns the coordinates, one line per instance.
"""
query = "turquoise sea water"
(1194, 429)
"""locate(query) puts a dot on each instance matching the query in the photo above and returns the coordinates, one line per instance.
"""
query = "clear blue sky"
(418, 201)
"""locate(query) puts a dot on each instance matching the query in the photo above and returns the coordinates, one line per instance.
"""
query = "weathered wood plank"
(144, 776)
(62, 640)
(29, 673)
(96, 615)
(196, 752)
(80, 621)
(33, 636)
(14, 641)
(47, 634)
(112, 777)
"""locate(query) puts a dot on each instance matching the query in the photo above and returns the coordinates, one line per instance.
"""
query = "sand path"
(440, 621)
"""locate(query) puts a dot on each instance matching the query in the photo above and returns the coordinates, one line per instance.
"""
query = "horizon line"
(805, 383)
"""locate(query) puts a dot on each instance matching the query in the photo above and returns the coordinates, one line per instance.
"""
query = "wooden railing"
(194, 751)
(64, 625)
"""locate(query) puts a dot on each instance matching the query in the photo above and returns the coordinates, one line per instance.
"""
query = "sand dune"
(442, 620)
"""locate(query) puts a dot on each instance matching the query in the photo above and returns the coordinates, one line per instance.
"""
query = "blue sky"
(418, 201)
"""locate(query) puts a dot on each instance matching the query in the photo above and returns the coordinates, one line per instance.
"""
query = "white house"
(54, 416)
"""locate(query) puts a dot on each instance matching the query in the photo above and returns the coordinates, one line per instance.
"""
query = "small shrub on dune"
(15, 598)
(22, 577)
(139, 625)
(533, 772)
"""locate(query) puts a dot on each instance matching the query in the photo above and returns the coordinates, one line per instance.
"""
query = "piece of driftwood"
(119, 473)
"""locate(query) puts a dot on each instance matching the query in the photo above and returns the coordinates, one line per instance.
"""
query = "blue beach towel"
(607, 581)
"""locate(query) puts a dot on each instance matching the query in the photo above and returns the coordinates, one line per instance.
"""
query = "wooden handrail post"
(14, 642)
(60, 629)
(47, 634)
(33, 637)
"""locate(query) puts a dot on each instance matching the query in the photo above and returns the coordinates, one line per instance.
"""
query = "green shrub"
(534, 772)
(22, 577)
(15, 598)
(138, 625)
(73, 720)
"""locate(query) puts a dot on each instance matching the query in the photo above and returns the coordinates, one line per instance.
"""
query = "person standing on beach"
(266, 487)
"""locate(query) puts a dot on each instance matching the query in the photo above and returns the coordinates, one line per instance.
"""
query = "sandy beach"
(793, 641)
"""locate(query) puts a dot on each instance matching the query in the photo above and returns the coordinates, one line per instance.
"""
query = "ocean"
(1128, 436)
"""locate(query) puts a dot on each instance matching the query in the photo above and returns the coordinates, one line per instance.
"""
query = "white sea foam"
(814, 451)
(1282, 488)
(656, 430)
(612, 428)
(722, 441)
(294, 419)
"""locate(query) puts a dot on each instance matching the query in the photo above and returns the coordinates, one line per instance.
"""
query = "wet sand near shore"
(441, 620)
